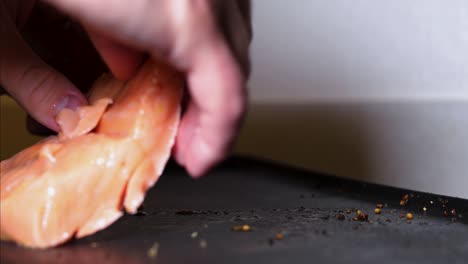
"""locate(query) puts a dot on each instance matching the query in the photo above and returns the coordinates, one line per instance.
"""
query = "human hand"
(32, 82)
(208, 40)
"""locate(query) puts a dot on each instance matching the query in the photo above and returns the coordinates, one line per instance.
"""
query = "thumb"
(40, 90)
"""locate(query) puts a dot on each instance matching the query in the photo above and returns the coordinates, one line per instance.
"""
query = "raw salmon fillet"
(103, 161)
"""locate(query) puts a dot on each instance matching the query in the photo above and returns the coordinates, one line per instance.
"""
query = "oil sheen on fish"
(105, 158)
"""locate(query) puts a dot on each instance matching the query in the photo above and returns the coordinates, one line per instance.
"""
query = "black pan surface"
(293, 217)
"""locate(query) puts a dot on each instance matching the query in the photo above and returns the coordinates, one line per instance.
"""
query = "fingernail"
(70, 101)
(74, 102)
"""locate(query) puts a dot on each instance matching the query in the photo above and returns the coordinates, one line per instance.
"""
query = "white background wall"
(384, 86)
(307, 50)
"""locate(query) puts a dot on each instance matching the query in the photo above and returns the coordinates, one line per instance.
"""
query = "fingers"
(188, 35)
(139, 24)
(122, 31)
(38, 88)
(217, 84)
(213, 116)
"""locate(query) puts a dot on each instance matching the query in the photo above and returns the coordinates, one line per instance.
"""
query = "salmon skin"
(105, 158)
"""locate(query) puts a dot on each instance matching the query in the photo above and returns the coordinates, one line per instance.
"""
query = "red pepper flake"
(361, 216)
(340, 216)
(404, 199)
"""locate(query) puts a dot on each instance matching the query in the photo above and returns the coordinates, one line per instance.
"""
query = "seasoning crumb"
(279, 236)
(203, 243)
(340, 216)
(424, 209)
(153, 250)
(453, 212)
(409, 216)
(361, 216)
(194, 235)
(377, 210)
(93, 245)
(185, 212)
(431, 202)
(242, 228)
(379, 206)
(404, 199)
